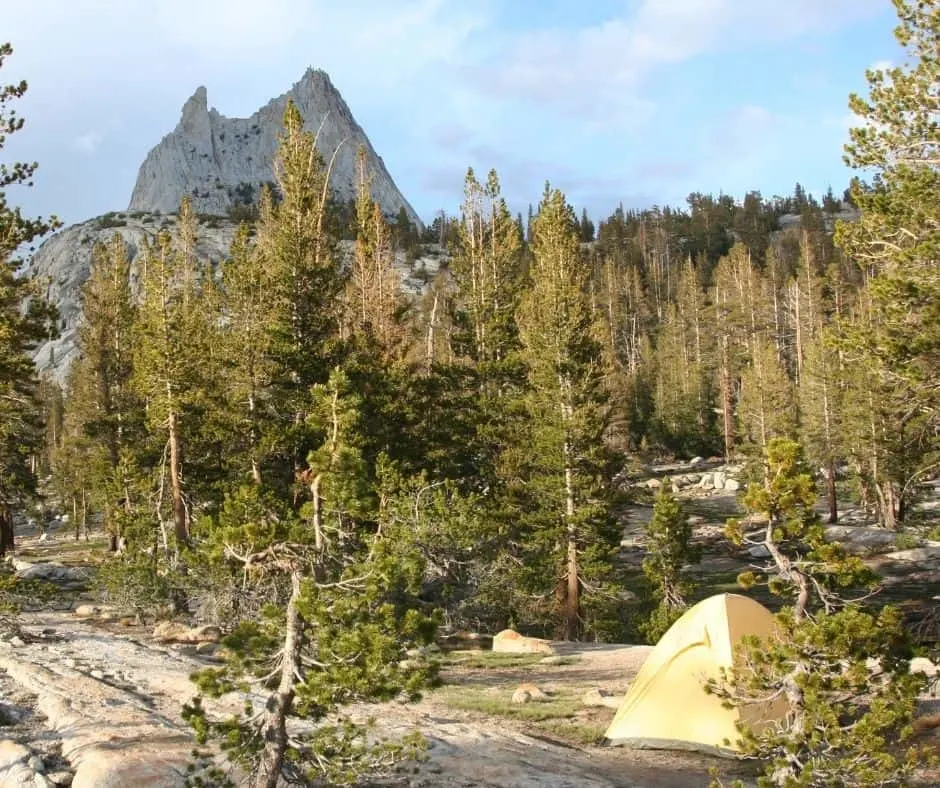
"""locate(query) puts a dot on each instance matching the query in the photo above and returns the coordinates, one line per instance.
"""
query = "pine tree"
(168, 359)
(897, 242)
(247, 290)
(847, 722)
(567, 409)
(668, 549)
(297, 251)
(104, 417)
(487, 272)
(21, 330)
(374, 296)
(349, 619)
(766, 404)
(821, 409)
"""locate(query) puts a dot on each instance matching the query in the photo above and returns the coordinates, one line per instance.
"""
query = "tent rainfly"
(667, 706)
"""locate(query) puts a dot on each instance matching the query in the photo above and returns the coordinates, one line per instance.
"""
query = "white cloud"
(600, 71)
(88, 142)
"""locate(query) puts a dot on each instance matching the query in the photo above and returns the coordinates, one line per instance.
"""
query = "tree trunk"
(85, 513)
(317, 518)
(572, 609)
(6, 529)
(887, 504)
(179, 509)
(75, 521)
(253, 439)
(831, 492)
(432, 324)
(274, 725)
(727, 406)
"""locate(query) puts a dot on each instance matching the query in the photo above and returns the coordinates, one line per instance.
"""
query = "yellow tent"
(667, 706)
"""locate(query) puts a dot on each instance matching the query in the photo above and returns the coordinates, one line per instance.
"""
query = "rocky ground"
(89, 698)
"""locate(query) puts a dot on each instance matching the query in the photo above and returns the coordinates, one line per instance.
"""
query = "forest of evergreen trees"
(297, 449)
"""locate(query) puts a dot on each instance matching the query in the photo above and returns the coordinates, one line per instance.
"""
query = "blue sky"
(632, 101)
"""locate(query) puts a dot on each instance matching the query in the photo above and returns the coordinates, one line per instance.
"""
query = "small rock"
(601, 697)
(17, 642)
(35, 763)
(758, 551)
(96, 674)
(44, 537)
(209, 649)
(654, 484)
(70, 662)
(732, 485)
(695, 461)
(595, 697)
(528, 692)
(60, 778)
(86, 611)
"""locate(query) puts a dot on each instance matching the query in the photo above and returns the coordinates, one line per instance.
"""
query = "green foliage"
(668, 549)
(895, 343)
(842, 671)
(25, 321)
(138, 585)
(111, 219)
(567, 501)
(850, 718)
(803, 563)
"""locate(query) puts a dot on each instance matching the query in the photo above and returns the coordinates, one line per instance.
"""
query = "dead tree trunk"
(274, 725)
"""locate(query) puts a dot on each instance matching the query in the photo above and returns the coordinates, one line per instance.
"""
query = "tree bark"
(274, 725)
(831, 492)
(179, 509)
(572, 609)
(6, 530)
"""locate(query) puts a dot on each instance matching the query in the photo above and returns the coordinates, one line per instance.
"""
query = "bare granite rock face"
(222, 161)
(63, 262)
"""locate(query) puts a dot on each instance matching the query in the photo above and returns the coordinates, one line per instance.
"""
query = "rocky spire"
(220, 161)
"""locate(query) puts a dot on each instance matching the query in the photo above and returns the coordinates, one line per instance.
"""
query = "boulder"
(14, 766)
(68, 577)
(718, 480)
(601, 697)
(925, 666)
(860, 539)
(526, 693)
(137, 766)
(176, 632)
(511, 642)
(12, 753)
(654, 484)
(695, 461)
(732, 485)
